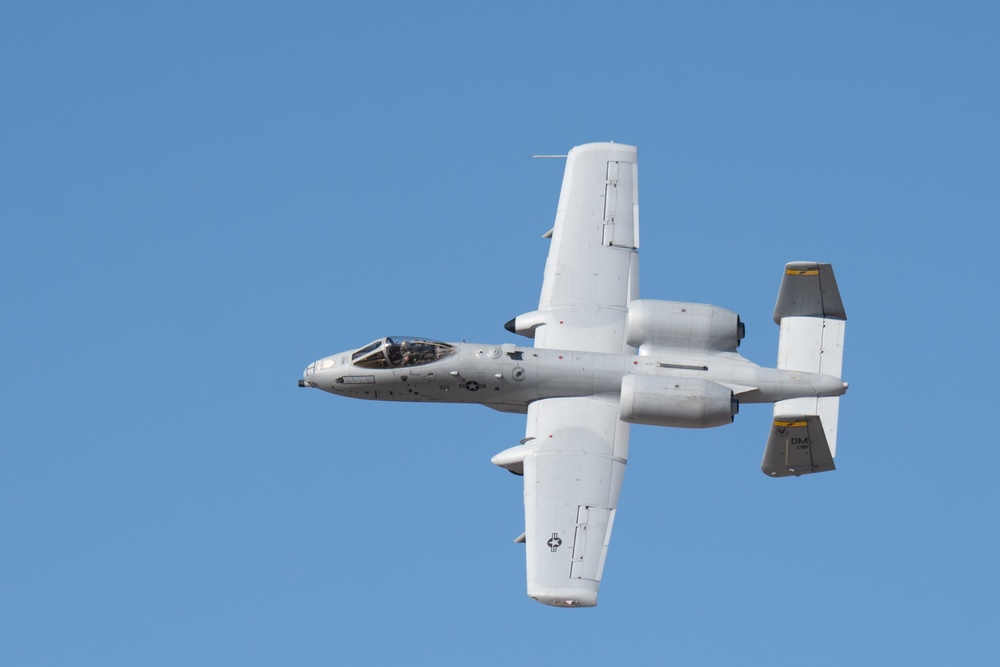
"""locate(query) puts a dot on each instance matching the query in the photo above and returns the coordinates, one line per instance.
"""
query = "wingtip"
(565, 597)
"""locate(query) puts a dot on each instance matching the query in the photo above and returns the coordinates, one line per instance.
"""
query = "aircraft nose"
(317, 371)
(307, 374)
(308, 378)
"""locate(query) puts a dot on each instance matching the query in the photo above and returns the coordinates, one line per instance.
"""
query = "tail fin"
(796, 446)
(812, 320)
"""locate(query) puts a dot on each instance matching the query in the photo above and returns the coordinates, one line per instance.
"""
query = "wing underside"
(578, 446)
(572, 480)
(592, 268)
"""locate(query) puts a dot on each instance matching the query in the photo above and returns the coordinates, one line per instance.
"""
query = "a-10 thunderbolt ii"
(603, 359)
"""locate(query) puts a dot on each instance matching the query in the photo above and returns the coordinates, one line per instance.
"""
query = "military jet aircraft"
(603, 359)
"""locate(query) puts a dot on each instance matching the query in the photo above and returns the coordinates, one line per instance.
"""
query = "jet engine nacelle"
(695, 326)
(678, 402)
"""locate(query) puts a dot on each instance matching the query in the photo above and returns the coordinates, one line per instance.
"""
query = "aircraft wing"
(572, 480)
(578, 446)
(592, 270)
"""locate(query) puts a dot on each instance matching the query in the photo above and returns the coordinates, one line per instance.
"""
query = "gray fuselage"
(507, 377)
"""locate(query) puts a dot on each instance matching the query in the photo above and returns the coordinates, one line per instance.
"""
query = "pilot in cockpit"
(394, 354)
(407, 352)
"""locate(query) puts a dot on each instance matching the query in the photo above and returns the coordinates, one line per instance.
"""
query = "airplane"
(603, 359)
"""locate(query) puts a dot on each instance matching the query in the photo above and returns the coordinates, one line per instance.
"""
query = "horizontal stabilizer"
(812, 319)
(808, 289)
(796, 446)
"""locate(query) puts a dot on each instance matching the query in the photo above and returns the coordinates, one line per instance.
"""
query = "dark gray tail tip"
(510, 325)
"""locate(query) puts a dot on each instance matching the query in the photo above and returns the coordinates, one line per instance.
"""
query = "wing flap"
(590, 543)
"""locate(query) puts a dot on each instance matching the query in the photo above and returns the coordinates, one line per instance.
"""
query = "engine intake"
(677, 402)
(693, 326)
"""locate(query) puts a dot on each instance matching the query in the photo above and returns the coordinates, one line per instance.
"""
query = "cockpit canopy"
(400, 351)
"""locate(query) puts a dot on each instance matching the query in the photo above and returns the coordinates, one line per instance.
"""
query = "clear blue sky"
(199, 199)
